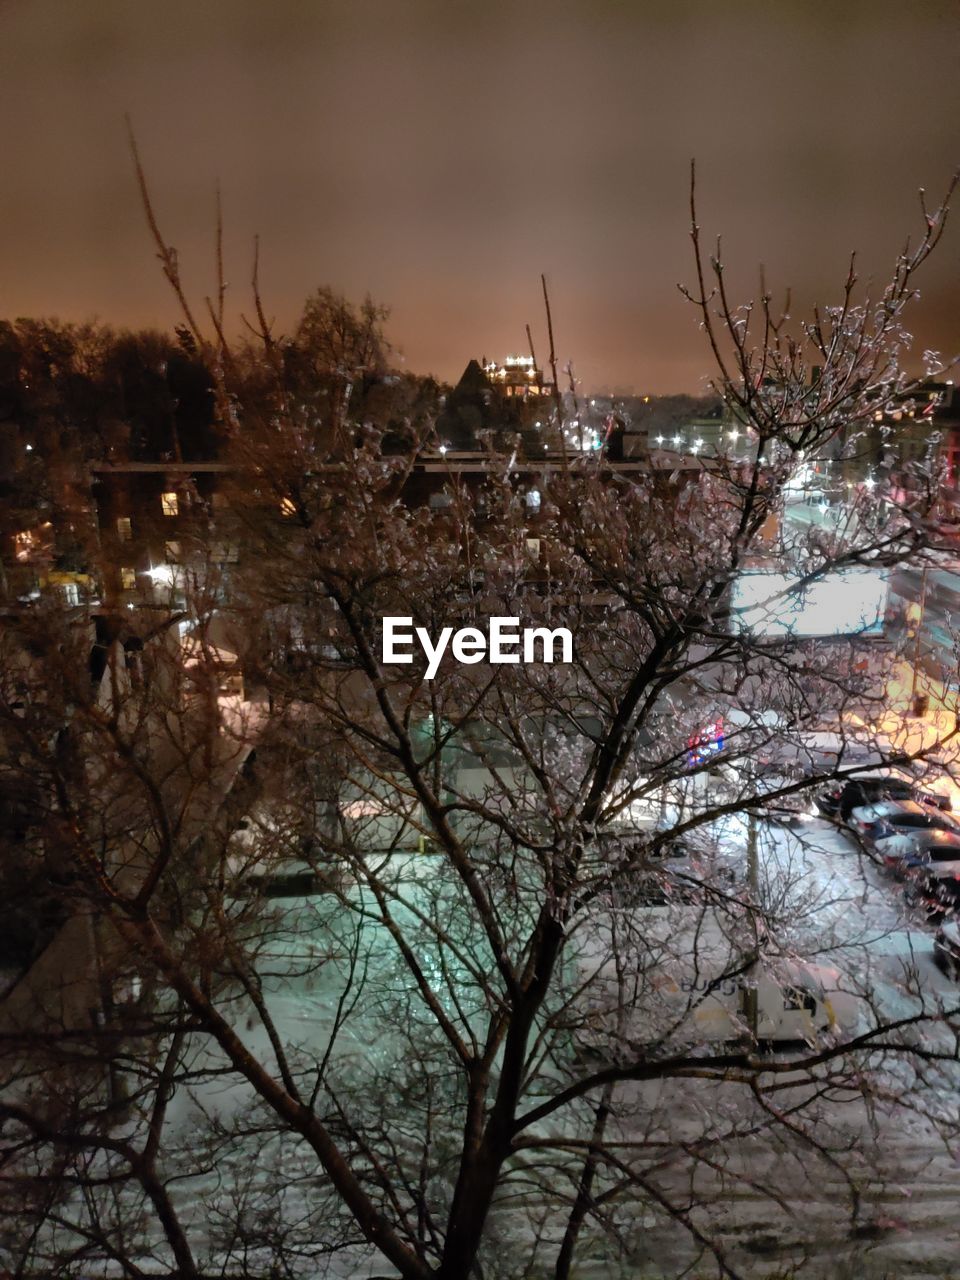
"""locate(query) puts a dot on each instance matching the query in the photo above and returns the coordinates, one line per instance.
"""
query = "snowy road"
(839, 908)
(835, 907)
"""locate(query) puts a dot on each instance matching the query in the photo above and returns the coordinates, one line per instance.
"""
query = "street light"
(915, 614)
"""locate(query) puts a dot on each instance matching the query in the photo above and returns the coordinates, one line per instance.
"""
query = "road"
(843, 912)
(836, 907)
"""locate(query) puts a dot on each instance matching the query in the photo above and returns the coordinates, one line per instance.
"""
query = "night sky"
(441, 155)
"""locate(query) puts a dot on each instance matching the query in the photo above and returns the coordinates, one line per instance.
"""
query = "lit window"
(533, 548)
(171, 552)
(533, 499)
(124, 528)
(23, 544)
(288, 507)
(170, 504)
(128, 579)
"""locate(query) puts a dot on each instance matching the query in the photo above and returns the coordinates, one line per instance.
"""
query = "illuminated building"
(517, 376)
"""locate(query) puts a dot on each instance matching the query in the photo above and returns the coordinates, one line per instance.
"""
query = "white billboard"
(842, 603)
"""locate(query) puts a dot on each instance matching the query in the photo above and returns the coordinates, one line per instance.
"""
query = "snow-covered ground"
(840, 909)
(834, 907)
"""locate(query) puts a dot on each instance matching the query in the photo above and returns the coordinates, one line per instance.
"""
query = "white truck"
(794, 1001)
(675, 981)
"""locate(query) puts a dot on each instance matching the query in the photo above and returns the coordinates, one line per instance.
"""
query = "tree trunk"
(584, 1200)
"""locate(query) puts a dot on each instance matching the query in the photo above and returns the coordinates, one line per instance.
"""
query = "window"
(533, 548)
(438, 501)
(171, 552)
(170, 504)
(23, 544)
(128, 579)
(533, 499)
(70, 592)
(797, 998)
(124, 528)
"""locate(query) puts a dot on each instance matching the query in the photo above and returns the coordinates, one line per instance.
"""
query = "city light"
(161, 573)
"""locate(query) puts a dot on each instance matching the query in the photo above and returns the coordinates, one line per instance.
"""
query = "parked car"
(946, 947)
(887, 818)
(858, 792)
(839, 800)
(935, 895)
(904, 850)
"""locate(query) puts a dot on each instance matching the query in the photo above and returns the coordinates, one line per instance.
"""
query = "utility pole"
(914, 700)
(751, 1007)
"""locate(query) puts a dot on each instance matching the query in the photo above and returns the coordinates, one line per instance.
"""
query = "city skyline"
(441, 157)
